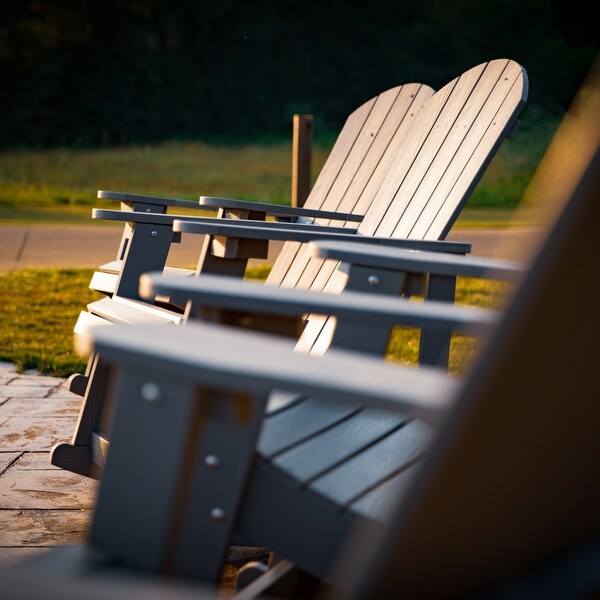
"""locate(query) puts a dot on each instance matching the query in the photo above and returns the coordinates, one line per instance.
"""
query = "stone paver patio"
(40, 506)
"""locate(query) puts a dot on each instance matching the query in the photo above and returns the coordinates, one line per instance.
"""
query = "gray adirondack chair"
(377, 129)
(503, 504)
(411, 198)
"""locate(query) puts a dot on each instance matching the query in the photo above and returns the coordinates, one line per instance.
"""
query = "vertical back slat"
(367, 136)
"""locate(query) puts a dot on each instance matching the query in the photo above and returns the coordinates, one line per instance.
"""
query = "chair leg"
(76, 456)
(175, 473)
(434, 348)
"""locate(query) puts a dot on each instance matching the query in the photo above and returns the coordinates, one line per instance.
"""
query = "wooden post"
(301, 158)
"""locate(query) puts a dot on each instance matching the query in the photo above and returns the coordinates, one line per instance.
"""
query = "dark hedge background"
(93, 72)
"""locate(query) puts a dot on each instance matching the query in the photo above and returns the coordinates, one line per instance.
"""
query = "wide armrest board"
(227, 358)
(416, 262)
(169, 220)
(141, 199)
(278, 210)
(307, 234)
(228, 293)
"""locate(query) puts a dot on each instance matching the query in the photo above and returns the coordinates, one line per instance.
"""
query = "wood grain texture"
(123, 310)
(451, 144)
(336, 444)
(375, 464)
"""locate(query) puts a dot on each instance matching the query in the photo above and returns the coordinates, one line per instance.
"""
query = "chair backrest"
(427, 180)
(366, 136)
(372, 138)
(511, 482)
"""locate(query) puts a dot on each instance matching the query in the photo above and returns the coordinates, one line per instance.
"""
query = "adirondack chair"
(410, 198)
(384, 119)
(504, 503)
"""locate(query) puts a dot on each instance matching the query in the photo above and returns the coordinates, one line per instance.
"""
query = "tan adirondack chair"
(383, 120)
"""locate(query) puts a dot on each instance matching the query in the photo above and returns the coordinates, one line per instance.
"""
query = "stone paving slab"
(34, 434)
(6, 459)
(63, 393)
(41, 506)
(35, 381)
(34, 407)
(46, 489)
(34, 461)
(46, 528)
(14, 390)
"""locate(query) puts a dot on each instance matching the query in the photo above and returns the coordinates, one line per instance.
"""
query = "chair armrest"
(308, 233)
(226, 358)
(416, 262)
(231, 294)
(207, 222)
(287, 212)
(137, 201)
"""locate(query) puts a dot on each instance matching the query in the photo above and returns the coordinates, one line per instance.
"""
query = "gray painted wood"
(349, 333)
(106, 281)
(298, 422)
(421, 262)
(140, 536)
(440, 148)
(277, 210)
(222, 438)
(378, 504)
(135, 200)
(511, 465)
(385, 127)
(356, 307)
(147, 250)
(377, 145)
(113, 266)
(335, 444)
(306, 233)
(377, 463)
(495, 472)
(209, 263)
(434, 346)
(87, 320)
(279, 527)
(77, 455)
(261, 361)
(168, 220)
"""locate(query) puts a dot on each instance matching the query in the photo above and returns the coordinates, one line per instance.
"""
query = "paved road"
(73, 246)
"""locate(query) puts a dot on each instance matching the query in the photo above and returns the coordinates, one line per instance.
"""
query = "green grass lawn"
(40, 307)
(60, 185)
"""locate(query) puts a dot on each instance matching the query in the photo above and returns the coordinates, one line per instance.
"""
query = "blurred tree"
(88, 72)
